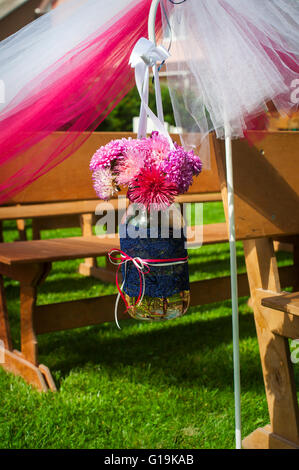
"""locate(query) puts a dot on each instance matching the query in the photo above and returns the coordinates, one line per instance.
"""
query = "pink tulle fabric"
(84, 86)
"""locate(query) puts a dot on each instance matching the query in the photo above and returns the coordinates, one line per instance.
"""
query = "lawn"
(150, 386)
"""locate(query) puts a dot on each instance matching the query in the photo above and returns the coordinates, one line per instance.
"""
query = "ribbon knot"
(143, 267)
(146, 51)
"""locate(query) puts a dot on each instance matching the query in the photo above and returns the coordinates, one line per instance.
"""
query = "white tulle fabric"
(229, 58)
(39, 45)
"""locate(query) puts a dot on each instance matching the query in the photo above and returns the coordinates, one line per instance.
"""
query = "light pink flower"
(130, 166)
(107, 154)
(103, 183)
(160, 148)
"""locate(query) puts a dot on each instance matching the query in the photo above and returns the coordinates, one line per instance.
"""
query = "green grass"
(155, 386)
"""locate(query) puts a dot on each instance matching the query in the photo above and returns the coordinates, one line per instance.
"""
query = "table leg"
(25, 362)
(4, 323)
(278, 372)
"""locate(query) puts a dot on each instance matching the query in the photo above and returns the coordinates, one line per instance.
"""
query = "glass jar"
(155, 235)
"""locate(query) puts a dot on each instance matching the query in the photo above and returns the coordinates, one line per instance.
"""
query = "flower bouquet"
(153, 172)
(153, 256)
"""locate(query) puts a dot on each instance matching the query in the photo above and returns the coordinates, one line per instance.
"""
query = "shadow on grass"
(190, 351)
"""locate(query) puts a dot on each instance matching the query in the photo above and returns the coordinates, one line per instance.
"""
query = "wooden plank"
(266, 185)
(71, 179)
(15, 363)
(55, 222)
(76, 314)
(288, 303)
(94, 311)
(209, 291)
(48, 377)
(280, 323)
(5, 335)
(296, 262)
(211, 233)
(28, 294)
(21, 226)
(50, 209)
(84, 247)
(86, 221)
(264, 438)
(53, 250)
(28, 337)
(199, 197)
(60, 209)
(106, 274)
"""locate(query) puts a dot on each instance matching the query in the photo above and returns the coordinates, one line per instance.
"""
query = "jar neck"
(139, 216)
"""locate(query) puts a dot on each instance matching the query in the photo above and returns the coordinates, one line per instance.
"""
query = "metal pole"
(233, 253)
(152, 21)
(234, 288)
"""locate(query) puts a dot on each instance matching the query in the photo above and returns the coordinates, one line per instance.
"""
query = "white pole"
(152, 20)
(234, 288)
(152, 37)
(233, 253)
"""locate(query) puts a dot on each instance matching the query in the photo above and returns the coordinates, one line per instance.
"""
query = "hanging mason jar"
(155, 286)
(154, 170)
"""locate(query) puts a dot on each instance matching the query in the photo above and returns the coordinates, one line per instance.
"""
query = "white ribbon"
(144, 55)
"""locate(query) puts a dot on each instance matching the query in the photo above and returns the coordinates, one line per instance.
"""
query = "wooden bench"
(64, 197)
(267, 205)
(29, 263)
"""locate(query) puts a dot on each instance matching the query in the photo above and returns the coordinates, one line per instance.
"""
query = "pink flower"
(180, 167)
(103, 183)
(152, 189)
(105, 156)
(130, 166)
(160, 148)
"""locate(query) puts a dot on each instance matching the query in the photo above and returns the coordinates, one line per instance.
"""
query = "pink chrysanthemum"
(152, 189)
(160, 148)
(180, 167)
(107, 154)
(130, 166)
(103, 183)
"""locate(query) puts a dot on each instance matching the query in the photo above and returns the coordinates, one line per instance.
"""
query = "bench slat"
(288, 303)
(58, 249)
(51, 209)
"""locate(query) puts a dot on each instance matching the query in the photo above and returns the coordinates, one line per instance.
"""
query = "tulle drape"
(229, 59)
(64, 72)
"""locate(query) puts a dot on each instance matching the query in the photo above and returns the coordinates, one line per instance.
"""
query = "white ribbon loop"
(146, 51)
(144, 55)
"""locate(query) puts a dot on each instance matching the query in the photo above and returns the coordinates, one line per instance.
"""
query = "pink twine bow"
(143, 267)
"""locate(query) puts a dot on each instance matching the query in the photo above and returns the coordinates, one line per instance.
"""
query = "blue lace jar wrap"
(161, 281)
